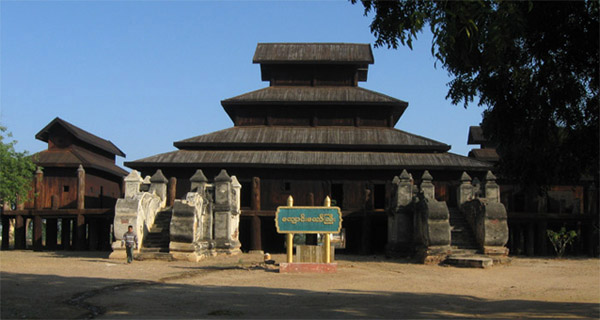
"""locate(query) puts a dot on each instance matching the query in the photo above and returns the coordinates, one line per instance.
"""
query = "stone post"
(133, 181)
(226, 236)
(400, 217)
(465, 190)
(427, 187)
(492, 190)
(158, 186)
(198, 182)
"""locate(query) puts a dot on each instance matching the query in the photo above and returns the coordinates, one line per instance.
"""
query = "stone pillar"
(66, 233)
(51, 233)
(5, 231)
(492, 190)
(255, 194)
(80, 188)
(80, 232)
(133, 181)
(158, 186)
(226, 232)
(236, 196)
(400, 217)
(427, 187)
(465, 190)
(20, 232)
(172, 192)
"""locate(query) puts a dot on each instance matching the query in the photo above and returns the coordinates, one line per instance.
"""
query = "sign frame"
(299, 208)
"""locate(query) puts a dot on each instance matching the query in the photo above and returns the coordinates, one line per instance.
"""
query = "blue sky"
(144, 74)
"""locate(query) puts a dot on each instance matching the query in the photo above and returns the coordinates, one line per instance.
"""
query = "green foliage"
(16, 171)
(534, 66)
(561, 239)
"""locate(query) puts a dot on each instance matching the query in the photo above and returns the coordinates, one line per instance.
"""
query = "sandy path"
(75, 284)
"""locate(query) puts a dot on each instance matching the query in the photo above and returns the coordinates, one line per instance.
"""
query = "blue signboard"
(308, 219)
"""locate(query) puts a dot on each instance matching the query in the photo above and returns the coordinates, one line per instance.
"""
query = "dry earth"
(88, 285)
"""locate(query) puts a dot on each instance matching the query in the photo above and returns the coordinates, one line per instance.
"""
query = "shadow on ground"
(46, 296)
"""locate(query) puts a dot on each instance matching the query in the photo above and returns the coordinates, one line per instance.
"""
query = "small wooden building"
(75, 190)
(312, 133)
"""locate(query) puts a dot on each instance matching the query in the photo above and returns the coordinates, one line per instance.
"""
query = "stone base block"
(495, 251)
(187, 256)
(256, 252)
(433, 255)
(230, 252)
(181, 247)
(299, 267)
(313, 254)
(470, 261)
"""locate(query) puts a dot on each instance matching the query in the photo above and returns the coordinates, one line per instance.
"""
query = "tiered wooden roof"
(313, 116)
(70, 146)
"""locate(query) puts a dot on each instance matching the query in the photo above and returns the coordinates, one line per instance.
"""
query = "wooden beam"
(51, 233)
(171, 194)
(80, 188)
(255, 200)
(5, 232)
(80, 232)
(19, 232)
(66, 233)
(256, 234)
(37, 234)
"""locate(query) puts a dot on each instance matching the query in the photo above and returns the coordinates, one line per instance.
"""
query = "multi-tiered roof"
(313, 115)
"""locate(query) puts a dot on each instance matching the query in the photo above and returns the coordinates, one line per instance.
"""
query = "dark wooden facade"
(74, 191)
(312, 133)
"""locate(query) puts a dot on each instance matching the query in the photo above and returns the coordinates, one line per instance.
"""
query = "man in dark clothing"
(129, 240)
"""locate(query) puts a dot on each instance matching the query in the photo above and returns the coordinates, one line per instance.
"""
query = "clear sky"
(144, 74)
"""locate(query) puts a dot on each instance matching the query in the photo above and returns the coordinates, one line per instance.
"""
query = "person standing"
(129, 240)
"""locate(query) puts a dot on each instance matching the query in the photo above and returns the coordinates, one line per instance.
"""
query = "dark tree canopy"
(16, 171)
(534, 66)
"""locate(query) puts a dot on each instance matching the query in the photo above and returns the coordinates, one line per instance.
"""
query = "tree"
(534, 66)
(561, 239)
(16, 171)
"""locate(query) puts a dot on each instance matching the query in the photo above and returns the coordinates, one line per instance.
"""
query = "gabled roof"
(313, 53)
(313, 138)
(75, 156)
(309, 160)
(80, 134)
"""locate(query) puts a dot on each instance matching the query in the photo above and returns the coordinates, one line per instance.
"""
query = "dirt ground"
(88, 285)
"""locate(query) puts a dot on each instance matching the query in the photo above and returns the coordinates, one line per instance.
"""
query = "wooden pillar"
(255, 201)
(172, 192)
(542, 238)
(80, 232)
(80, 188)
(365, 243)
(256, 234)
(51, 233)
(37, 233)
(66, 233)
(530, 242)
(5, 231)
(93, 234)
(38, 186)
(19, 232)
